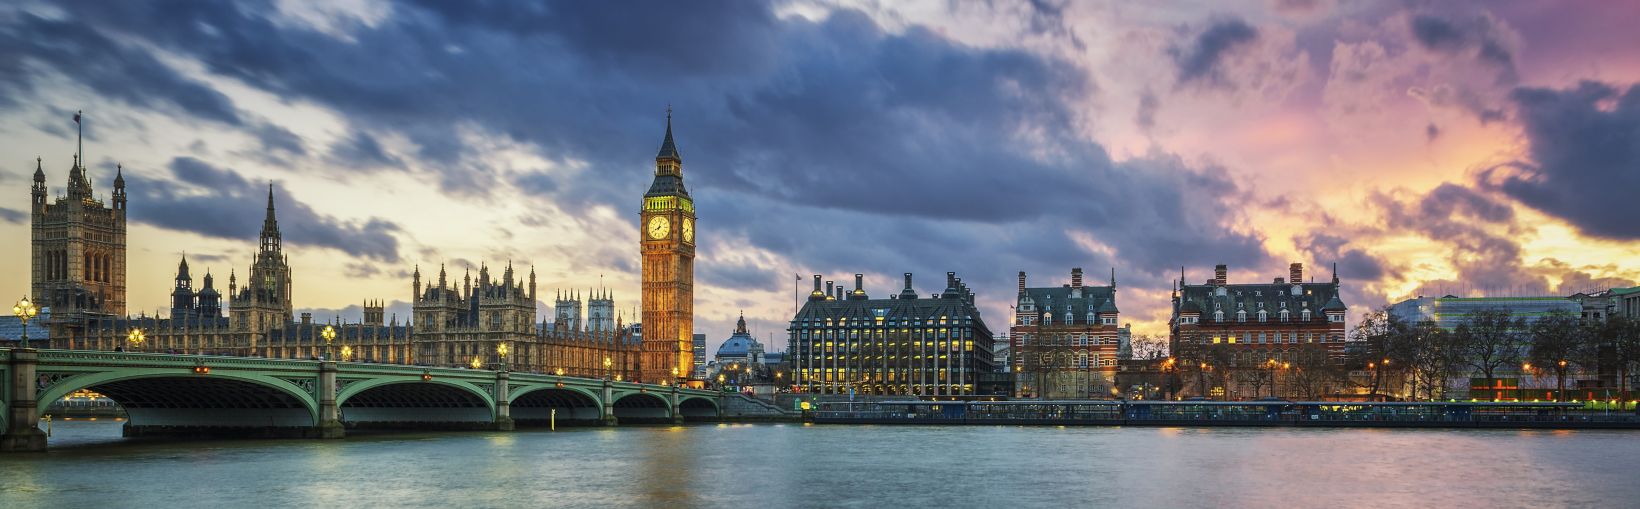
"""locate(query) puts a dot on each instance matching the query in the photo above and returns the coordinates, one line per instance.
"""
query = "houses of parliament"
(79, 273)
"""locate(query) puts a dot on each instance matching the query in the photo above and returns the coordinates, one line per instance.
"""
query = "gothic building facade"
(667, 241)
(78, 248)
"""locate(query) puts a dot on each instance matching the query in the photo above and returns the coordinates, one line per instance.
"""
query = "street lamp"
(347, 353)
(1520, 385)
(1560, 376)
(674, 372)
(329, 334)
(476, 363)
(135, 338)
(501, 351)
(24, 310)
(607, 373)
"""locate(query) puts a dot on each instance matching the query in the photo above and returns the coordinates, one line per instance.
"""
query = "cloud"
(13, 216)
(1199, 60)
(1584, 147)
(109, 68)
(361, 150)
(1481, 37)
(216, 202)
(1477, 228)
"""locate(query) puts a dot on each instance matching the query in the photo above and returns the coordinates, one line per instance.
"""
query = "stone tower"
(78, 248)
(567, 311)
(667, 241)
(601, 311)
(264, 302)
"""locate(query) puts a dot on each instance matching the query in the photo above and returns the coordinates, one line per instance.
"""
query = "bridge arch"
(534, 404)
(641, 407)
(168, 399)
(405, 400)
(699, 409)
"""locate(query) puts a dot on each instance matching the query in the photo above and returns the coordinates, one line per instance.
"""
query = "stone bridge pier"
(22, 424)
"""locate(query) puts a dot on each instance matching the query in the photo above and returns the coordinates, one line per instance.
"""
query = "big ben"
(667, 239)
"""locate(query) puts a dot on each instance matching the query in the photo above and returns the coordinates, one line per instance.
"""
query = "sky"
(1426, 148)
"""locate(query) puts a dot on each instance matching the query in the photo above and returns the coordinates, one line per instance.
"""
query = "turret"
(38, 192)
(119, 187)
(415, 284)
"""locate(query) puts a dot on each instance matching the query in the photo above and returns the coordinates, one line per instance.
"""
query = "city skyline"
(1419, 148)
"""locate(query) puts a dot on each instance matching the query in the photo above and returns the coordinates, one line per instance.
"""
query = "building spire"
(270, 225)
(669, 149)
(740, 325)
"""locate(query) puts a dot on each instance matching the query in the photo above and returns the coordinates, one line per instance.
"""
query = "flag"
(76, 117)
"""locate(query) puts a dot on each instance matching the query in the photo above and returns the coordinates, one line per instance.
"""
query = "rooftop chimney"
(1295, 272)
(829, 293)
(1076, 277)
(859, 286)
(908, 293)
(950, 280)
(1280, 281)
(1022, 282)
(1221, 275)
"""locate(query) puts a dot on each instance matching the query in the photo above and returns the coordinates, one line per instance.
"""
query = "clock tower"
(667, 240)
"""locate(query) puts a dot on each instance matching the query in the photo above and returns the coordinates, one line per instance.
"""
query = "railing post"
(22, 425)
(330, 422)
(503, 407)
(607, 406)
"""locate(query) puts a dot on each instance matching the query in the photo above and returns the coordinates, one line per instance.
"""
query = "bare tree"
(1313, 374)
(1489, 340)
(1146, 346)
(1615, 345)
(1384, 347)
(1434, 358)
(1555, 341)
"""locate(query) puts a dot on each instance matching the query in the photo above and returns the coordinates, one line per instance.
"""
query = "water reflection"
(836, 466)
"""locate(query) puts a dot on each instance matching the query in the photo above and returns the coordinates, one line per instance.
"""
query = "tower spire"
(669, 149)
(270, 225)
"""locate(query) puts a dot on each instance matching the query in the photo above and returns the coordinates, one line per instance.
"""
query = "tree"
(1615, 345)
(1384, 345)
(1434, 358)
(1313, 373)
(1555, 341)
(1146, 346)
(1489, 339)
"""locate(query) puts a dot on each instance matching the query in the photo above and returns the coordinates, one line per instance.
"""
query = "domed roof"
(741, 343)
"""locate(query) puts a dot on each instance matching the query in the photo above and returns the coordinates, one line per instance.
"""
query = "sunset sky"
(1424, 147)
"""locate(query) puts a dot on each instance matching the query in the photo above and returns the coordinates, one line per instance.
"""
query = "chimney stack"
(950, 280)
(829, 293)
(1022, 282)
(1295, 272)
(1076, 277)
(1221, 274)
(908, 280)
(859, 283)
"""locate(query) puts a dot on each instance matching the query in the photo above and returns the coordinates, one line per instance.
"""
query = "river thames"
(792, 465)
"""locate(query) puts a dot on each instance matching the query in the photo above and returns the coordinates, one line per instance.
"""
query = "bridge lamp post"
(607, 373)
(347, 353)
(24, 310)
(501, 351)
(135, 338)
(329, 334)
(476, 363)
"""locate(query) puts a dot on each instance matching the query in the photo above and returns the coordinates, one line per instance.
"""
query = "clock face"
(688, 230)
(658, 227)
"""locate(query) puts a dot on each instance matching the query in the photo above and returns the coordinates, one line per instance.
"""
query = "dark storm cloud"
(111, 69)
(361, 150)
(13, 216)
(214, 202)
(1199, 60)
(275, 138)
(927, 154)
(1478, 37)
(1585, 157)
(1353, 262)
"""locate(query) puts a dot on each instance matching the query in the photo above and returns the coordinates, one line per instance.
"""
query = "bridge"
(202, 394)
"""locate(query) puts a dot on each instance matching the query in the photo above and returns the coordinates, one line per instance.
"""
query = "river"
(792, 465)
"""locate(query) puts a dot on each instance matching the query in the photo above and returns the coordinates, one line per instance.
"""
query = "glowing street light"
(501, 351)
(135, 338)
(24, 310)
(607, 373)
(347, 353)
(329, 334)
(476, 363)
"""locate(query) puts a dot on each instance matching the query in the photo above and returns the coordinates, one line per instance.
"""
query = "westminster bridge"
(202, 394)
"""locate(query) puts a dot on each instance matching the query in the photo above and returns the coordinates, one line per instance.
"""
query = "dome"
(738, 346)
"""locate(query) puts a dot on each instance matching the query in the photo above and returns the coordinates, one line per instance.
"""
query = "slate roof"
(1317, 297)
(1098, 299)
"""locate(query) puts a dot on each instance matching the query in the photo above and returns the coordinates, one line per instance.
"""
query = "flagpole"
(79, 123)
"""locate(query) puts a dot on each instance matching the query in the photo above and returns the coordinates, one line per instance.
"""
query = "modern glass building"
(1449, 311)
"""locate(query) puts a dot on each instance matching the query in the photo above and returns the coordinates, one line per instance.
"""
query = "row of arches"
(260, 405)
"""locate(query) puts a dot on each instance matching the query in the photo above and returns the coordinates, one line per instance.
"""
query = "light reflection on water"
(738, 465)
